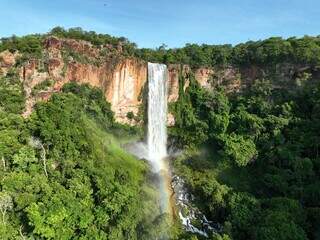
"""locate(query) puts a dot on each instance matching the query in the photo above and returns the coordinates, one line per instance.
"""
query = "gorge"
(229, 132)
(123, 79)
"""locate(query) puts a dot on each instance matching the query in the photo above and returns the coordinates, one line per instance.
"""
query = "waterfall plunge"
(157, 114)
(157, 132)
(157, 152)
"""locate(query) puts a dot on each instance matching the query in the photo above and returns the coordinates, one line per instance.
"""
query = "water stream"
(175, 198)
(157, 130)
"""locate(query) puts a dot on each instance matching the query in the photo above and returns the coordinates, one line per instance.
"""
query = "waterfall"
(157, 132)
(175, 201)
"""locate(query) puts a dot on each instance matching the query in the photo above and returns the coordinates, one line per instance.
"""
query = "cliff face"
(7, 60)
(175, 71)
(124, 87)
(123, 79)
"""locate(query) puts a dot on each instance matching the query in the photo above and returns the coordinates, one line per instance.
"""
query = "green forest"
(305, 50)
(253, 163)
(251, 158)
(64, 174)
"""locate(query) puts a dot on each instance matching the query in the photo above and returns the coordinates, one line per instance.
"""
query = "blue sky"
(150, 23)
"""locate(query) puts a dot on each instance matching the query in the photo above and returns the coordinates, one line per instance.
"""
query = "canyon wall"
(123, 79)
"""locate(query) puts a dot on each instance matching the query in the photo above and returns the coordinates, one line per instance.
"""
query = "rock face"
(123, 80)
(175, 71)
(125, 88)
(203, 76)
(122, 83)
(170, 119)
(7, 60)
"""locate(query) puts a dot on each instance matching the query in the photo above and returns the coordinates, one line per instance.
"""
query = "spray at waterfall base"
(167, 198)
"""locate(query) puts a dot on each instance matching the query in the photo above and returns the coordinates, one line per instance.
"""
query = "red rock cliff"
(121, 79)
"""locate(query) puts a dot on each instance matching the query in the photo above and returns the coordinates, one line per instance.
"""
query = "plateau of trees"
(305, 50)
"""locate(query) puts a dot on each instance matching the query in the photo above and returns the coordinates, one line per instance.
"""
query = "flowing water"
(157, 132)
(156, 152)
(157, 114)
(191, 217)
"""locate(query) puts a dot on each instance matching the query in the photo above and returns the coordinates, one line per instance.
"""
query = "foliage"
(31, 45)
(271, 51)
(241, 150)
(63, 175)
(256, 168)
(11, 93)
(130, 115)
(95, 38)
(305, 50)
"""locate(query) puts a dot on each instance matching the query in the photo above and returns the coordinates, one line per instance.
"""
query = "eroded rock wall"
(122, 79)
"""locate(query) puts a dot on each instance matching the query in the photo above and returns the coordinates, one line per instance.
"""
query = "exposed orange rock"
(7, 60)
(125, 85)
(203, 76)
(121, 79)
(173, 82)
(82, 47)
(79, 46)
(83, 73)
(53, 42)
(228, 77)
(31, 77)
(29, 69)
(175, 70)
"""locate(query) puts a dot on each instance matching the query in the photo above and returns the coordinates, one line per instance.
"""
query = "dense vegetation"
(274, 50)
(305, 50)
(95, 38)
(32, 45)
(252, 159)
(63, 174)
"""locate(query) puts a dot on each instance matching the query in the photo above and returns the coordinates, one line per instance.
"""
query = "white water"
(189, 214)
(157, 132)
(156, 151)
